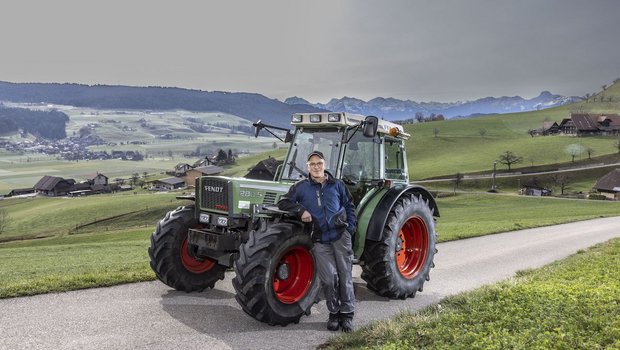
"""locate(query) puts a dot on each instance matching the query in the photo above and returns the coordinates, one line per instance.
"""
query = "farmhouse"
(550, 128)
(585, 124)
(181, 169)
(169, 183)
(54, 186)
(192, 174)
(98, 179)
(264, 170)
(609, 185)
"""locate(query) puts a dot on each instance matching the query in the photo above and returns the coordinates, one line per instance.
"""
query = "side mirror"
(371, 123)
(257, 127)
(288, 137)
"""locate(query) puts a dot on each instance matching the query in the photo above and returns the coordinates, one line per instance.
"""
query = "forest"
(46, 124)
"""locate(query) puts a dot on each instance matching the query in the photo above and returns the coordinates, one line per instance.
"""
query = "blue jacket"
(330, 205)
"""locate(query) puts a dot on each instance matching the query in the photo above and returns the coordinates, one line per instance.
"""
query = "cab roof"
(316, 120)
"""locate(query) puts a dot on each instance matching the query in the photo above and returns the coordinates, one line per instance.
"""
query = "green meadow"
(102, 240)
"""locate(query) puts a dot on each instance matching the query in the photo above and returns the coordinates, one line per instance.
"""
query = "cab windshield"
(361, 161)
(307, 141)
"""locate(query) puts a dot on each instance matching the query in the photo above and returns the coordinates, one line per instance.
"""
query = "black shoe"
(334, 322)
(346, 322)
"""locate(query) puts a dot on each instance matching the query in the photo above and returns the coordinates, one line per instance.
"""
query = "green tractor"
(235, 222)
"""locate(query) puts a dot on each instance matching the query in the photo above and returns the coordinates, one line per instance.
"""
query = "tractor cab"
(362, 151)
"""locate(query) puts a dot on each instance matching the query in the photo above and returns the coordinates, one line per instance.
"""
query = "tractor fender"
(380, 214)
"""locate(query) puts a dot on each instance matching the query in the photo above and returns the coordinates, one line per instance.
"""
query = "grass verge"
(74, 262)
(569, 304)
(471, 215)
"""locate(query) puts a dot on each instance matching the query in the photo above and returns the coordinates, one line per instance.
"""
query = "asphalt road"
(152, 316)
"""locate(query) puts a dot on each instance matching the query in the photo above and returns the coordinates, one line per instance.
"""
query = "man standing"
(326, 203)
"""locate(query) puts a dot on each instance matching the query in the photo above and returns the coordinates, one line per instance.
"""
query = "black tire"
(170, 258)
(398, 265)
(276, 280)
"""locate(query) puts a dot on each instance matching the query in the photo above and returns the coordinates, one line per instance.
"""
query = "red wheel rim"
(192, 265)
(293, 274)
(411, 256)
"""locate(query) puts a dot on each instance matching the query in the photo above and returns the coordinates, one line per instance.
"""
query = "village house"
(609, 185)
(98, 179)
(264, 170)
(167, 184)
(535, 190)
(550, 128)
(181, 169)
(208, 170)
(54, 186)
(586, 124)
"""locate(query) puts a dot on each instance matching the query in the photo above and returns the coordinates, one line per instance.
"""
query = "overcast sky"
(420, 50)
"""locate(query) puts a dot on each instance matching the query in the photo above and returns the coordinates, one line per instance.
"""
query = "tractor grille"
(214, 194)
(269, 198)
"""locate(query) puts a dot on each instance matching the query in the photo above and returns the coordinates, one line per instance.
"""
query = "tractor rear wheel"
(398, 265)
(276, 281)
(172, 258)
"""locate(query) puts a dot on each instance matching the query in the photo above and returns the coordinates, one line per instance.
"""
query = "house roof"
(270, 164)
(47, 183)
(94, 176)
(182, 165)
(609, 182)
(209, 169)
(584, 122)
(172, 180)
(549, 124)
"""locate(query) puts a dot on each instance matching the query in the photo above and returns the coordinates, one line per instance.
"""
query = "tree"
(221, 156)
(482, 132)
(590, 152)
(134, 178)
(561, 181)
(532, 132)
(4, 219)
(574, 150)
(145, 174)
(458, 179)
(617, 145)
(508, 158)
(436, 131)
(419, 117)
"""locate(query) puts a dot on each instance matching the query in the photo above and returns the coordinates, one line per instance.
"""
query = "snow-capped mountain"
(395, 109)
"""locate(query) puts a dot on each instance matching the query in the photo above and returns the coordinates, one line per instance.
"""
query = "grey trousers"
(334, 262)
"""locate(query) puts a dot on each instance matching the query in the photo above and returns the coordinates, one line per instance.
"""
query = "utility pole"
(493, 188)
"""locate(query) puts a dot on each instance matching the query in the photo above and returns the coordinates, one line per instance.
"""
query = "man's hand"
(306, 217)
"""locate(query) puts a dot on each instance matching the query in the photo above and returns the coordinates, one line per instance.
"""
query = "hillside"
(249, 106)
(472, 145)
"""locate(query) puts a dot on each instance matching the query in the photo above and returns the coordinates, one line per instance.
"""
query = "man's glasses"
(316, 165)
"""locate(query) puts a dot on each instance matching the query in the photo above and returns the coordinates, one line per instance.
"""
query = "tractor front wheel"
(276, 281)
(172, 258)
(398, 265)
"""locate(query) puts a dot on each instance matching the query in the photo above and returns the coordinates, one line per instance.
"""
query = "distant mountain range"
(253, 106)
(395, 109)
